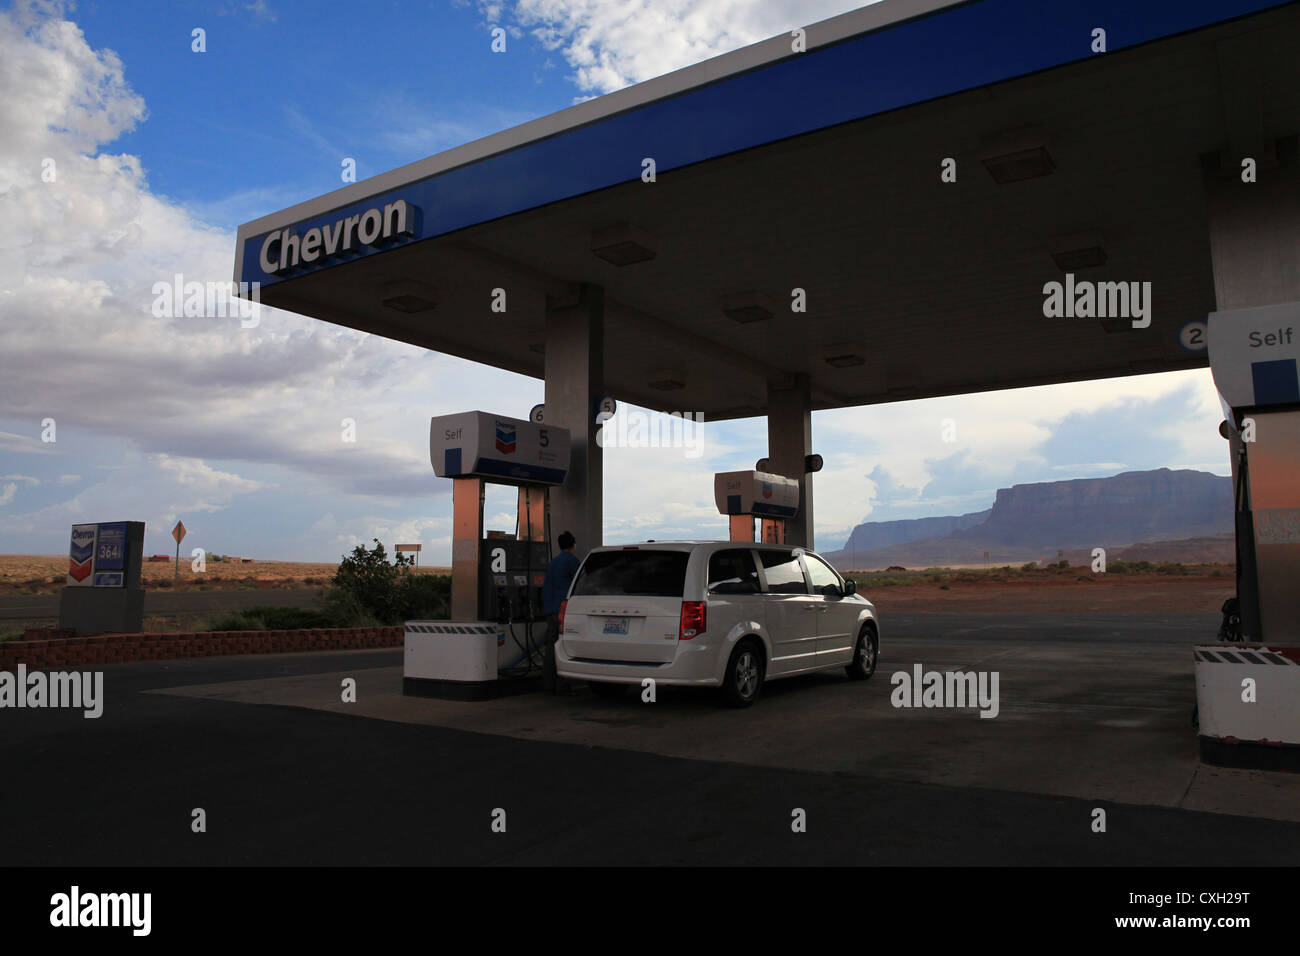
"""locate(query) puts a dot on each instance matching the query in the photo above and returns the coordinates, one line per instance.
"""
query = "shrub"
(372, 582)
(233, 621)
(366, 589)
(426, 596)
(1029, 566)
(291, 618)
(271, 619)
(346, 610)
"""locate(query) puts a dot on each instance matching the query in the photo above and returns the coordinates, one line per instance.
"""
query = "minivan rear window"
(633, 572)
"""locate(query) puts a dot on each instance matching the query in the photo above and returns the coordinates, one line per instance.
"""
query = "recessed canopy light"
(408, 295)
(749, 313)
(409, 303)
(624, 245)
(1076, 259)
(1014, 155)
(847, 360)
(747, 307)
(844, 355)
(1021, 165)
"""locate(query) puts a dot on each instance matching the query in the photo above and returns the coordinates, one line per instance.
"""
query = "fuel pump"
(746, 495)
(492, 645)
(1248, 698)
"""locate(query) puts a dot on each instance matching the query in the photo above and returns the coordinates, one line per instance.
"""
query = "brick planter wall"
(80, 652)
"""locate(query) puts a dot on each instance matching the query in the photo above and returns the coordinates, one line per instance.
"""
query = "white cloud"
(24, 444)
(611, 44)
(211, 489)
(80, 255)
(156, 489)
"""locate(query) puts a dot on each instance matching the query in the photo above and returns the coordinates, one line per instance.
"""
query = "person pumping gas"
(559, 575)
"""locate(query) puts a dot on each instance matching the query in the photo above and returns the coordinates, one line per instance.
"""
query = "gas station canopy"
(777, 170)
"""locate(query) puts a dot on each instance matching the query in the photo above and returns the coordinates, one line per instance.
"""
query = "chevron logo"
(505, 438)
(79, 570)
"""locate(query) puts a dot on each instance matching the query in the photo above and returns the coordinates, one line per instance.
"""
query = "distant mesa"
(1160, 515)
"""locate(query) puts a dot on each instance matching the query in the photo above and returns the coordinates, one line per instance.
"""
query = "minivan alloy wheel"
(747, 674)
(744, 675)
(863, 664)
(866, 647)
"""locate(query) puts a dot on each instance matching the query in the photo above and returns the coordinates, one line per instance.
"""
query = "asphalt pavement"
(286, 784)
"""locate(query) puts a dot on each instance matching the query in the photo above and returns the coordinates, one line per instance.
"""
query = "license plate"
(615, 625)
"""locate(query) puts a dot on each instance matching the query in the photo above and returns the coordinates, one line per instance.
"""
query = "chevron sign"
(81, 554)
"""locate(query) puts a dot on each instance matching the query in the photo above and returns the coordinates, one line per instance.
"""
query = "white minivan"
(711, 613)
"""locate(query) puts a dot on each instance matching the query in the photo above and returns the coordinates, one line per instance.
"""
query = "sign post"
(178, 532)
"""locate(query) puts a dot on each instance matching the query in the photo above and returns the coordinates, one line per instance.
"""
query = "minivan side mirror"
(850, 587)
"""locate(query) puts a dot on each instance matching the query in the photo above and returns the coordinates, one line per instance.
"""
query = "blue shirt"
(558, 578)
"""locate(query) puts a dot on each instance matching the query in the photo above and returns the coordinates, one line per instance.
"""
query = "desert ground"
(1194, 587)
(46, 574)
(1201, 588)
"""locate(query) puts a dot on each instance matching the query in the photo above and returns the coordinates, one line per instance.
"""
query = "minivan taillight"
(563, 605)
(692, 620)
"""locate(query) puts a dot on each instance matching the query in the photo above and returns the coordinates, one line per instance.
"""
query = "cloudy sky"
(127, 158)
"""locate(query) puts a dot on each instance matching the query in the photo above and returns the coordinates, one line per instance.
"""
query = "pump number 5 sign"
(605, 408)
